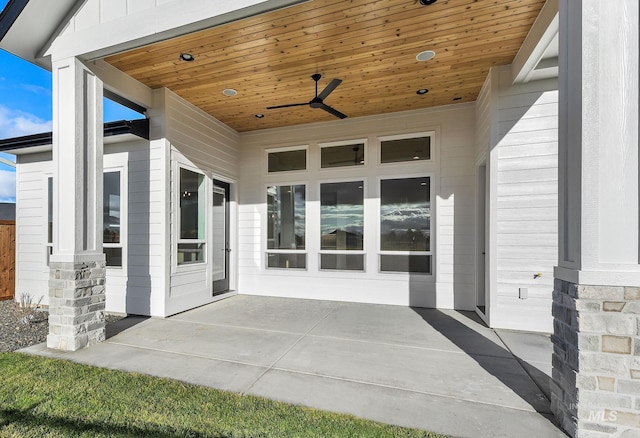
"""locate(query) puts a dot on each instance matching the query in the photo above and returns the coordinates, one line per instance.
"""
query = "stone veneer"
(76, 304)
(595, 391)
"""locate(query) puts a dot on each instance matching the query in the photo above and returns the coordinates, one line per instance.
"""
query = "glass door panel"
(220, 237)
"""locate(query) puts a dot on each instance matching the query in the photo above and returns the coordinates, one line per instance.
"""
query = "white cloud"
(16, 123)
(7, 186)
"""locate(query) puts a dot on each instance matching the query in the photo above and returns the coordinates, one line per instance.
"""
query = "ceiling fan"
(318, 101)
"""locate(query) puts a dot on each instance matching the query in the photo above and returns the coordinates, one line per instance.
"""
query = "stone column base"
(76, 304)
(595, 391)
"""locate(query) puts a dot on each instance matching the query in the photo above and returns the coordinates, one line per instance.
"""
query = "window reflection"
(286, 217)
(111, 208)
(405, 214)
(342, 215)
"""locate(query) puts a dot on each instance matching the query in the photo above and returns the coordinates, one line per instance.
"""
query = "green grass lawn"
(42, 397)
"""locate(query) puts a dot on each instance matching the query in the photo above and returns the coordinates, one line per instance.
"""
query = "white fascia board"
(162, 22)
(539, 42)
(7, 162)
(36, 24)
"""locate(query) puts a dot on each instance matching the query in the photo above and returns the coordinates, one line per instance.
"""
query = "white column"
(77, 267)
(596, 298)
(598, 143)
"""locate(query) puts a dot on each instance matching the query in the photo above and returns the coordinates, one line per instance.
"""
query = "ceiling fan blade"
(287, 105)
(333, 111)
(329, 88)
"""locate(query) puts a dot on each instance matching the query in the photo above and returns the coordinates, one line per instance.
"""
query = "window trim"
(124, 216)
(323, 145)
(265, 228)
(363, 251)
(208, 193)
(48, 245)
(432, 220)
(432, 152)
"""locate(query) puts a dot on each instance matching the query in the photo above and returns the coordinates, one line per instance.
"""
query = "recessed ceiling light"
(426, 55)
(188, 57)
(422, 91)
(259, 116)
(229, 92)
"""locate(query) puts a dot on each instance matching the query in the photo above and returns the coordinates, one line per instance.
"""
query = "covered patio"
(439, 370)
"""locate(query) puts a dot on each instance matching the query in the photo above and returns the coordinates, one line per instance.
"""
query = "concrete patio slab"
(435, 370)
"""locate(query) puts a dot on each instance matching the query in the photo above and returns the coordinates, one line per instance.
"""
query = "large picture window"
(342, 225)
(111, 219)
(191, 238)
(405, 225)
(286, 219)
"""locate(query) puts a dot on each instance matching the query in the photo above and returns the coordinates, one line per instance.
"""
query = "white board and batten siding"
(526, 201)
(202, 144)
(136, 288)
(452, 177)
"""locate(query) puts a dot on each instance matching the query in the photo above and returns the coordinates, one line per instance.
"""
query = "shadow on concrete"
(117, 327)
(492, 357)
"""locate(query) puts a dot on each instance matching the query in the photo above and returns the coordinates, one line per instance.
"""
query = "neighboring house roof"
(139, 128)
(7, 211)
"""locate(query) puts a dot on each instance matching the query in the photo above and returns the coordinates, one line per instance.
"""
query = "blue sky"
(25, 108)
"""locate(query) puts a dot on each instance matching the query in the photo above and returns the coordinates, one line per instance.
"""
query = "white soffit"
(538, 56)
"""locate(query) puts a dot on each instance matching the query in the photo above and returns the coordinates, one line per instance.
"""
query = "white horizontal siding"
(526, 199)
(130, 289)
(203, 143)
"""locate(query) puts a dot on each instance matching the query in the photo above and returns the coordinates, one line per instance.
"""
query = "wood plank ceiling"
(370, 44)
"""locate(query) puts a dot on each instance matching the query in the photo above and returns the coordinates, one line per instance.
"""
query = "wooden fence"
(7, 259)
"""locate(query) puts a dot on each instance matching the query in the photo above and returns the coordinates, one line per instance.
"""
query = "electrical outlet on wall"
(523, 293)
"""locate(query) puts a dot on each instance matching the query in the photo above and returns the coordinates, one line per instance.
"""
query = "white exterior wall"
(202, 144)
(453, 235)
(32, 272)
(522, 168)
(137, 287)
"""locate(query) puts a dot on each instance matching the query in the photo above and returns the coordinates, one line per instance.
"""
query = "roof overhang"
(27, 26)
(114, 132)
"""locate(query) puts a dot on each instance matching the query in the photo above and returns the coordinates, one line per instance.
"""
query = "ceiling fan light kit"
(318, 100)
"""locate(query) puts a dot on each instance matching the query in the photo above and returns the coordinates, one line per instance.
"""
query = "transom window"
(398, 150)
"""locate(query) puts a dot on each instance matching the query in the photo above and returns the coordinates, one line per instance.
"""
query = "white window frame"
(432, 151)
(208, 193)
(124, 215)
(343, 143)
(363, 251)
(432, 224)
(48, 245)
(286, 149)
(265, 230)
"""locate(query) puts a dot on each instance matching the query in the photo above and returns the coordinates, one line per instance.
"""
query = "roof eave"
(19, 145)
